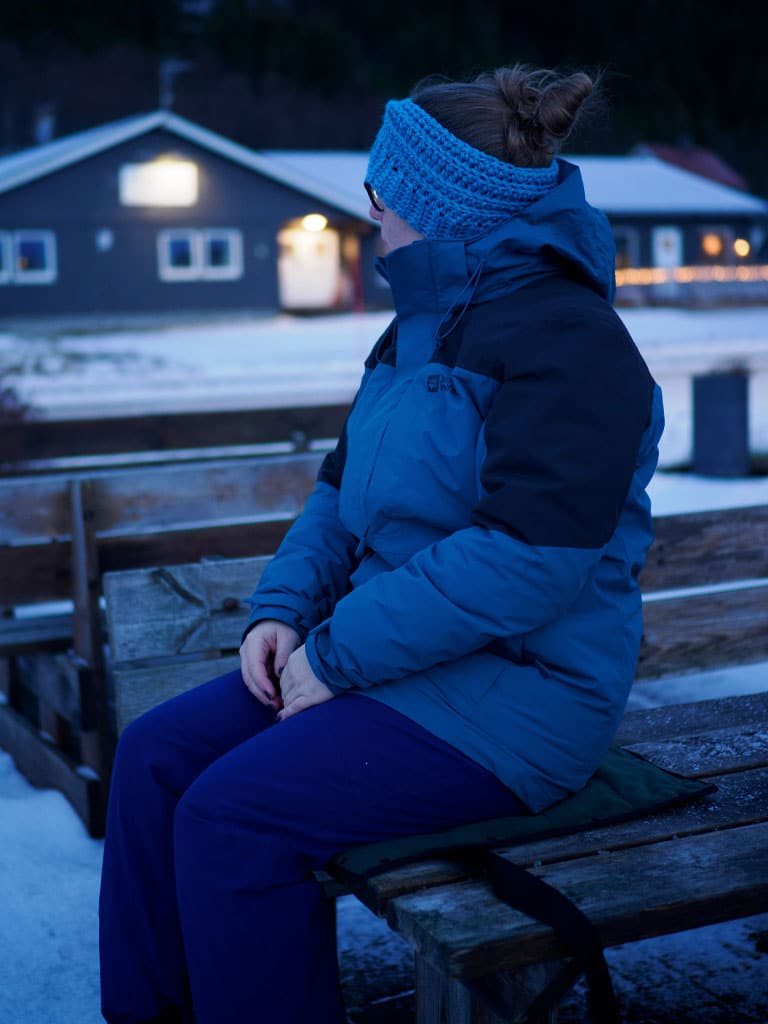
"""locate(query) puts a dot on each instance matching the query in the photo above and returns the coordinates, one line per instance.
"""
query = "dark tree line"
(679, 72)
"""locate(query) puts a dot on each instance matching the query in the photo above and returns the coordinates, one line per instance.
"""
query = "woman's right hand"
(263, 655)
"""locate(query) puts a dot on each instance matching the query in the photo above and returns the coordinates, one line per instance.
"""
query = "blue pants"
(218, 814)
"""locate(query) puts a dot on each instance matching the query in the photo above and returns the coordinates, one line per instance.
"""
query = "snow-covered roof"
(615, 184)
(636, 184)
(31, 164)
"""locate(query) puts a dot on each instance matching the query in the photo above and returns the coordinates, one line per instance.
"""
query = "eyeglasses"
(373, 195)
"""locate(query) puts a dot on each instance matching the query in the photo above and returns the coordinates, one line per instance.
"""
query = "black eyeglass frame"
(373, 195)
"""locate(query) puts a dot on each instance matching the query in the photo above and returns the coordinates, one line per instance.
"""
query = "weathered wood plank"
(741, 799)
(51, 678)
(702, 631)
(43, 572)
(47, 439)
(701, 548)
(629, 894)
(705, 753)
(139, 689)
(41, 633)
(151, 498)
(655, 724)
(46, 767)
(179, 609)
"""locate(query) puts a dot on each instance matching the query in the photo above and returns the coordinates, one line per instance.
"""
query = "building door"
(667, 245)
(308, 267)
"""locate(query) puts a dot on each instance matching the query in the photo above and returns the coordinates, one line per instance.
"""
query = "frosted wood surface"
(706, 753)
(630, 894)
(158, 497)
(181, 609)
(700, 548)
(653, 724)
(700, 632)
(139, 689)
(741, 799)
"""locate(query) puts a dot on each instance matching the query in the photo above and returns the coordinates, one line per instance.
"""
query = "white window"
(5, 257)
(178, 255)
(215, 254)
(222, 255)
(34, 257)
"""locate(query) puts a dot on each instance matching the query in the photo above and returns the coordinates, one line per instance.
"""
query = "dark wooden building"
(155, 214)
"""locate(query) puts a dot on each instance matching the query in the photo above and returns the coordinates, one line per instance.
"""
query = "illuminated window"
(716, 244)
(34, 257)
(627, 247)
(5, 257)
(163, 182)
(190, 255)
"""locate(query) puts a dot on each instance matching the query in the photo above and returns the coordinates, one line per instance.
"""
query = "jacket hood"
(558, 233)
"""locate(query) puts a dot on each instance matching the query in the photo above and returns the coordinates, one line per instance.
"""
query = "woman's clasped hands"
(276, 670)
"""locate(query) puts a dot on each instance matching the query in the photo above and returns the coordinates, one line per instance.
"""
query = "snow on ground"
(269, 361)
(49, 867)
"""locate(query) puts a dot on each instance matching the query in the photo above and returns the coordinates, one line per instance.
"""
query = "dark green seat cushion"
(625, 786)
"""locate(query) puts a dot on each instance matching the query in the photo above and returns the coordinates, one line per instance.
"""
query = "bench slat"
(702, 631)
(700, 548)
(179, 609)
(139, 689)
(656, 724)
(741, 798)
(46, 439)
(629, 894)
(130, 501)
(43, 572)
(41, 633)
(703, 753)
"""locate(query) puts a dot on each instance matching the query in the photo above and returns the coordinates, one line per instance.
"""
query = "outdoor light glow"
(163, 182)
(741, 247)
(686, 275)
(314, 222)
(711, 244)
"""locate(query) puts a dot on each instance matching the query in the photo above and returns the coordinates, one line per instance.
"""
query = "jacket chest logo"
(438, 382)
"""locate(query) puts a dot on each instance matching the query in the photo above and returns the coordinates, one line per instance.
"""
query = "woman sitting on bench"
(450, 630)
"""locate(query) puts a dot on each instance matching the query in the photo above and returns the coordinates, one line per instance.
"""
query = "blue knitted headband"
(443, 187)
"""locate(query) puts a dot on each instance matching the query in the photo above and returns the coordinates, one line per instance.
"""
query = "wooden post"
(441, 999)
(87, 660)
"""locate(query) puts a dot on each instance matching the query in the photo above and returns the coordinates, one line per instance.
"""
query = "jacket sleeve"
(561, 446)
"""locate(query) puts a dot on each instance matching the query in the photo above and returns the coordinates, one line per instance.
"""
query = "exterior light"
(314, 222)
(163, 182)
(742, 247)
(711, 244)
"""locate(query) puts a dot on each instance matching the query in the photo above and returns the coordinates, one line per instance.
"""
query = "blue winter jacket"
(470, 553)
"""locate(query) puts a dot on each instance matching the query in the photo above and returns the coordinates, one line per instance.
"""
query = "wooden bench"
(58, 534)
(44, 445)
(706, 605)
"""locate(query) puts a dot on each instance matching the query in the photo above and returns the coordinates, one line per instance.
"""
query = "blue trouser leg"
(218, 818)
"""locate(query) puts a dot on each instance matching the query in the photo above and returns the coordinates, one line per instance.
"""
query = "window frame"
(6, 248)
(33, 277)
(631, 235)
(233, 271)
(165, 268)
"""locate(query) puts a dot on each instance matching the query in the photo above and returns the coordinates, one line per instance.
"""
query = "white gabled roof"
(643, 185)
(616, 184)
(648, 185)
(31, 164)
